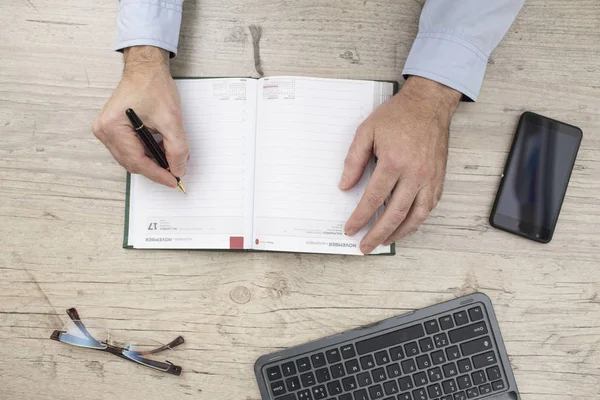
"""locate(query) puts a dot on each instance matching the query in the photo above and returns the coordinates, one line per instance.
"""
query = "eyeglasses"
(92, 335)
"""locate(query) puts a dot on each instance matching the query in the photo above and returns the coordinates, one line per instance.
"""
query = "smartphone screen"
(536, 177)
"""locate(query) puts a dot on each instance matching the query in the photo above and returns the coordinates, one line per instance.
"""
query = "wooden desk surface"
(62, 199)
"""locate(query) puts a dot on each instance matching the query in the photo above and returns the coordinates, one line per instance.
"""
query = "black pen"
(150, 143)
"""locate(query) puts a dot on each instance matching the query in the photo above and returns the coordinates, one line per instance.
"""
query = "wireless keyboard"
(449, 351)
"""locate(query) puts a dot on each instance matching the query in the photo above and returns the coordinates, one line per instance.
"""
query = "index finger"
(378, 189)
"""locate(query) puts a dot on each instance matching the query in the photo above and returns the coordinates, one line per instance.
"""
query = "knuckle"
(98, 128)
(421, 213)
(398, 215)
(391, 164)
(351, 159)
(374, 200)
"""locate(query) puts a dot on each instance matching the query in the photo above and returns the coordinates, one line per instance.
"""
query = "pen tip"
(180, 186)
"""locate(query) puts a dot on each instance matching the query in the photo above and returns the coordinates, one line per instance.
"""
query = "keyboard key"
(423, 362)
(361, 395)
(472, 393)
(378, 375)
(411, 349)
(289, 369)
(346, 396)
(468, 332)
(408, 366)
(322, 375)
(349, 383)
(337, 371)
(318, 360)
(437, 357)
(352, 366)
(405, 383)
(334, 388)
(367, 362)
(376, 392)
(441, 340)
(319, 392)
(461, 318)
(274, 373)
(450, 370)
(382, 357)
(364, 379)
(396, 353)
(449, 386)
(290, 396)
(419, 394)
(304, 395)
(452, 353)
(464, 366)
(308, 379)
(478, 378)
(484, 360)
(485, 389)
(493, 373)
(446, 322)
(420, 379)
(277, 388)
(476, 346)
(292, 384)
(460, 396)
(449, 397)
(393, 370)
(476, 313)
(432, 327)
(333, 356)
(464, 382)
(497, 385)
(405, 396)
(303, 364)
(426, 345)
(390, 339)
(435, 374)
(434, 391)
(390, 388)
(348, 351)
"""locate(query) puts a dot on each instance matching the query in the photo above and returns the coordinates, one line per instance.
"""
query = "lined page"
(304, 129)
(220, 120)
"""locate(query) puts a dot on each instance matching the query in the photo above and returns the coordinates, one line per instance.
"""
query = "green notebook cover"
(126, 244)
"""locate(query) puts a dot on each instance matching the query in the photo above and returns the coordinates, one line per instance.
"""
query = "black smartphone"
(536, 177)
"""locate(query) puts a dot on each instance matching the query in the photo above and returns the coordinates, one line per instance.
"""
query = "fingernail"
(343, 182)
(351, 232)
(366, 249)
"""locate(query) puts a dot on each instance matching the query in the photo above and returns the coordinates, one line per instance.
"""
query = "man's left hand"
(409, 136)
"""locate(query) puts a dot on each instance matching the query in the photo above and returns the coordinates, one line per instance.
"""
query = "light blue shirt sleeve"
(456, 38)
(149, 22)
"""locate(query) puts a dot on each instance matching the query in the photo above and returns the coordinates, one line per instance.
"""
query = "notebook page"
(304, 129)
(220, 119)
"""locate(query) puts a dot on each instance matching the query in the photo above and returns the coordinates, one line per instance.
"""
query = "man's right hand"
(148, 88)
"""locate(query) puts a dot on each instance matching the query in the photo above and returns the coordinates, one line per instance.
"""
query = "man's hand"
(409, 136)
(146, 87)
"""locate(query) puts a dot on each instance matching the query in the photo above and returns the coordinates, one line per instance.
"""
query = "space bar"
(390, 339)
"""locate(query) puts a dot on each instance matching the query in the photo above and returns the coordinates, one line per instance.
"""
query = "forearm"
(456, 38)
(149, 22)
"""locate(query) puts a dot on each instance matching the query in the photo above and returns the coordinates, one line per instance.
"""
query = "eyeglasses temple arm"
(178, 340)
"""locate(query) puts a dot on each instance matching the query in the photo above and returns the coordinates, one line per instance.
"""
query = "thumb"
(177, 149)
(357, 157)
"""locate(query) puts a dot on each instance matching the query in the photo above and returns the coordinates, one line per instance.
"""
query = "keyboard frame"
(391, 324)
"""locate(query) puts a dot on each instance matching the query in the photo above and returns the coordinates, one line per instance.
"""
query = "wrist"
(433, 94)
(139, 59)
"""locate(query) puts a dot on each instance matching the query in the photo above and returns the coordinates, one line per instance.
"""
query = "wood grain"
(62, 199)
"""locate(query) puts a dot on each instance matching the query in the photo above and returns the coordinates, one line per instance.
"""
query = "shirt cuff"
(149, 22)
(448, 59)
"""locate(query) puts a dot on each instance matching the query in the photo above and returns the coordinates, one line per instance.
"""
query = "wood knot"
(240, 295)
